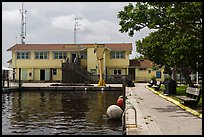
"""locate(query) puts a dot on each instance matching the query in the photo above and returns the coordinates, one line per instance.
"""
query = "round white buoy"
(114, 112)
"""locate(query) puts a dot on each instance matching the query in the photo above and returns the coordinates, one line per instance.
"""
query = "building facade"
(143, 70)
(43, 62)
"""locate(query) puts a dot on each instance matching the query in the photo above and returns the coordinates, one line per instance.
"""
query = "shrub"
(153, 78)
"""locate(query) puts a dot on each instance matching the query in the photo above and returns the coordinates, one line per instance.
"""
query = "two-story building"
(44, 62)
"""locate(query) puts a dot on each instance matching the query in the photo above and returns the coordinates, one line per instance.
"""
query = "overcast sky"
(53, 22)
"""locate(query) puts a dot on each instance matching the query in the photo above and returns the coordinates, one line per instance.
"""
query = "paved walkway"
(158, 116)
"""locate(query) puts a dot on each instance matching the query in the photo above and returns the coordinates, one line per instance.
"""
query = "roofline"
(75, 45)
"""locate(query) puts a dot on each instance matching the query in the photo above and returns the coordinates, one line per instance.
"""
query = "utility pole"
(16, 39)
(76, 23)
(197, 74)
(23, 25)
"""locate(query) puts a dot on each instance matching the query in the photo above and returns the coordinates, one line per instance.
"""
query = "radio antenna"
(23, 25)
(76, 23)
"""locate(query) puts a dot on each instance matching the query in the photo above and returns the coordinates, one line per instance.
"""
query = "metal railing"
(124, 125)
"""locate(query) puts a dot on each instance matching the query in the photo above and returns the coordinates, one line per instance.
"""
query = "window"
(117, 54)
(59, 55)
(93, 71)
(143, 69)
(26, 55)
(36, 55)
(83, 55)
(158, 74)
(54, 71)
(117, 71)
(23, 55)
(41, 55)
(18, 55)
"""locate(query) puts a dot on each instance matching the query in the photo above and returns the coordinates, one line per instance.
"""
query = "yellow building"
(43, 62)
(143, 70)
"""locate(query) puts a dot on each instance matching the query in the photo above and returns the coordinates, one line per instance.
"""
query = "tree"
(172, 49)
(177, 40)
(174, 16)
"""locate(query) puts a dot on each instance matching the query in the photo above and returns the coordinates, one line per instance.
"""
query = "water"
(59, 113)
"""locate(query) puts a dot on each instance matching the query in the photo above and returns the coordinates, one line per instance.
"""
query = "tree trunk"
(174, 75)
(186, 72)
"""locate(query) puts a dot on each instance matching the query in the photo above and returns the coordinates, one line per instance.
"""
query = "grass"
(181, 91)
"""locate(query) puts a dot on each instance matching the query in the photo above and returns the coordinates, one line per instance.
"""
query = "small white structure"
(7, 72)
(114, 112)
(6, 68)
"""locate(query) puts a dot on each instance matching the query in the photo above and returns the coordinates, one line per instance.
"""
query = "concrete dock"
(157, 115)
(53, 87)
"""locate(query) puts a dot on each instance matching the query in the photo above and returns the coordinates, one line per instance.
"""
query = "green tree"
(177, 40)
(175, 16)
(172, 49)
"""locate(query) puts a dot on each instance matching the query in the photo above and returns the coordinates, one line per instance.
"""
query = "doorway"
(131, 72)
(74, 55)
(42, 74)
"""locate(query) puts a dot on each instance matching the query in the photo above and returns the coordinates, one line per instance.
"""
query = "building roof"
(142, 63)
(71, 47)
(134, 62)
(9, 61)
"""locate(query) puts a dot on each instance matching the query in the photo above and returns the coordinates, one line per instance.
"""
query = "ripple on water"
(65, 132)
(20, 131)
(79, 117)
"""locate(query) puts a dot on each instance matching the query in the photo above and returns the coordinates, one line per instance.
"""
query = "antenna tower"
(23, 25)
(76, 23)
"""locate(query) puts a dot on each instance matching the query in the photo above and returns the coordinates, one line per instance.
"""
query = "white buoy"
(114, 112)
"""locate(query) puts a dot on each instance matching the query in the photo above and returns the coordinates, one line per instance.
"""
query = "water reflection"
(59, 112)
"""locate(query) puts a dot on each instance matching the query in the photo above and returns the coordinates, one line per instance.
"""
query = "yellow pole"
(99, 54)
(101, 81)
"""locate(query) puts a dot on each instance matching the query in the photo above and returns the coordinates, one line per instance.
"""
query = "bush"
(167, 78)
(153, 78)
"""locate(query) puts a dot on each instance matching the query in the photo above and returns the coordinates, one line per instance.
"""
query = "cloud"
(63, 22)
(11, 17)
(99, 30)
(53, 22)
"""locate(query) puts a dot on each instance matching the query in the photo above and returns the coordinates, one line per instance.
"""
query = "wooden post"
(3, 82)
(8, 82)
(124, 106)
(124, 96)
(19, 78)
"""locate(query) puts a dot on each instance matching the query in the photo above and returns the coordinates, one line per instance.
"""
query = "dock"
(55, 87)
(142, 124)
(156, 115)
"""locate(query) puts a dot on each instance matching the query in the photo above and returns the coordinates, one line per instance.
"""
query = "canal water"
(59, 113)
